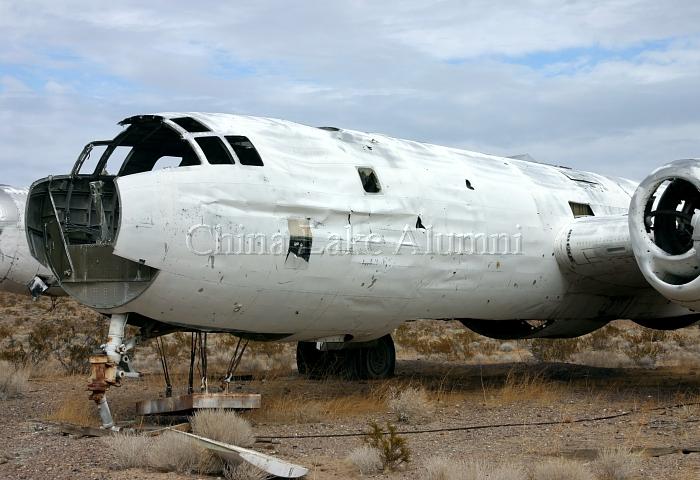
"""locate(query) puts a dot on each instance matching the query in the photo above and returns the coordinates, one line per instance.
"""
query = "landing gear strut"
(109, 366)
(370, 361)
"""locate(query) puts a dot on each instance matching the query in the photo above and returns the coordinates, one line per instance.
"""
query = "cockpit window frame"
(158, 123)
(223, 144)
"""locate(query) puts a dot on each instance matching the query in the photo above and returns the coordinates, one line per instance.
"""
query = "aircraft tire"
(366, 363)
(309, 358)
(379, 361)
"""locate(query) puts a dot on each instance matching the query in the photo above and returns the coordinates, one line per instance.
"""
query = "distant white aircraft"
(332, 238)
(19, 271)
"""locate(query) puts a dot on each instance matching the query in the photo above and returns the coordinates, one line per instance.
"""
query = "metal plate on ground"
(198, 401)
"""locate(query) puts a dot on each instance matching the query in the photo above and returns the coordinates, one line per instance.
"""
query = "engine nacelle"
(664, 231)
(598, 249)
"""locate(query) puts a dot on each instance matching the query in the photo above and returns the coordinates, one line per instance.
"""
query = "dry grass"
(286, 408)
(171, 452)
(76, 409)
(223, 426)
(367, 460)
(411, 405)
(524, 387)
(440, 468)
(507, 472)
(243, 471)
(603, 359)
(547, 350)
(13, 382)
(616, 464)
(437, 339)
(129, 450)
(620, 344)
(560, 469)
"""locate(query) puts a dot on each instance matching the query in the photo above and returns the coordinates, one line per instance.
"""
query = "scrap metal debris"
(267, 463)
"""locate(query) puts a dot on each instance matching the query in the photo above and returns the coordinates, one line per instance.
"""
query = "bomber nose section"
(72, 223)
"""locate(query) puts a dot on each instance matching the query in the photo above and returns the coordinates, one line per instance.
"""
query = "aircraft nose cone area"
(9, 215)
(8, 209)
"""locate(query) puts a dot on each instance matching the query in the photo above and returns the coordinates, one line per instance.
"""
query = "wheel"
(378, 361)
(367, 363)
(309, 358)
(318, 364)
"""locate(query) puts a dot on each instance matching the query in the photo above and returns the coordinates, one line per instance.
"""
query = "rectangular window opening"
(149, 145)
(581, 210)
(167, 162)
(191, 125)
(215, 150)
(245, 151)
(369, 179)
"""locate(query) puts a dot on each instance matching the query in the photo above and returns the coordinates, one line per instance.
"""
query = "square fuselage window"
(369, 179)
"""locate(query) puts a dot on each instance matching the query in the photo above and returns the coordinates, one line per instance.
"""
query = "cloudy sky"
(610, 86)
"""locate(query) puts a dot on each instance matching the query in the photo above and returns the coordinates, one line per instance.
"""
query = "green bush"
(393, 448)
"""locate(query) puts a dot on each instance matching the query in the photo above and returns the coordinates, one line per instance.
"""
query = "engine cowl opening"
(668, 215)
(663, 218)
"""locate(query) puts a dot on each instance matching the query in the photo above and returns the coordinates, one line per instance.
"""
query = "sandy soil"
(484, 383)
(32, 448)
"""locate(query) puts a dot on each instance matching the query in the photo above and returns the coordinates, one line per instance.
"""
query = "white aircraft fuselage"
(298, 249)
(17, 266)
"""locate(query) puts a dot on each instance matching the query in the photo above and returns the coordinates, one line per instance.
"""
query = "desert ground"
(620, 403)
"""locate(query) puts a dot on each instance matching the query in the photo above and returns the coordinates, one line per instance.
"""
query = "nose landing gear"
(366, 361)
(109, 367)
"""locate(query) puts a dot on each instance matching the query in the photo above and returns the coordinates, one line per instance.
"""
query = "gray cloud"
(69, 72)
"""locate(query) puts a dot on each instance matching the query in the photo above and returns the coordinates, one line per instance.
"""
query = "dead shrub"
(430, 338)
(69, 341)
(602, 359)
(602, 338)
(13, 382)
(560, 469)
(645, 346)
(507, 472)
(616, 464)
(524, 387)
(411, 405)
(488, 347)
(223, 426)
(129, 450)
(243, 471)
(172, 452)
(77, 410)
(367, 460)
(440, 468)
(558, 350)
(12, 351)
(392, 447)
